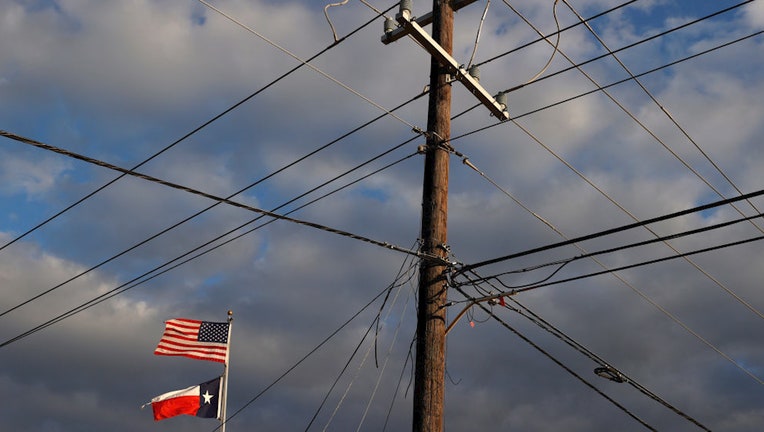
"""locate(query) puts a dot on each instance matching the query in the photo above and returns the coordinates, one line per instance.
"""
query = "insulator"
(406, 5)
(501, 99)
(474, 72)
(389, 25)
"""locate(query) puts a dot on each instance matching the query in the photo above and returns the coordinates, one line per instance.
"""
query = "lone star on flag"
(207, 397)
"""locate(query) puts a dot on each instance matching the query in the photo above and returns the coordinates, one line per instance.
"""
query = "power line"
(29, 141)
(585, 21)
(601, 88)
(145, 276)
(305, 357)
(663, 310)
(188, 135)
(397, 283)
(534, 318)
(313, 67)
(219, 200)
(559, 31)
(631, 245)
(674, 122)
(617, 204)
(622, 81)
(647, 262)
(560, 363)
(610, 231)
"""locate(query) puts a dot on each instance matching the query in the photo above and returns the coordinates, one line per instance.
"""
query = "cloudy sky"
(92, 264)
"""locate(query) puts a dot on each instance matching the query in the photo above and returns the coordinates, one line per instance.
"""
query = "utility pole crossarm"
(423, 21)
(413, 28)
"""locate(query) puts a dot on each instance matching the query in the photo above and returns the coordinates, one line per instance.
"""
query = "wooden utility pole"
(429, 388)
(430, 369)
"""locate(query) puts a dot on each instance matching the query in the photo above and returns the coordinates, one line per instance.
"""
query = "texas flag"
(202, 400)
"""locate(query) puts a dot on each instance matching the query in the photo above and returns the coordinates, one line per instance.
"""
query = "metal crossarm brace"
(423, 21)
(445, 59)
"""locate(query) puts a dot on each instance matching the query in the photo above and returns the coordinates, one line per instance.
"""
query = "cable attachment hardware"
(608, 372)
(501, 99)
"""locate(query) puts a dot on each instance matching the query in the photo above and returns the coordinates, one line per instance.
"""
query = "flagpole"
(224, 396)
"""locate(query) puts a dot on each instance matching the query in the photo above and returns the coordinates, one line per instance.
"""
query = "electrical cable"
(551, 329)
(145, 276)
(397, 283)
(326, 14)
(745, 370)
(560, 364)
(604, 87)
(29, 141)
(632, 245)
(602, 56)
(541, 39)
(721, 285)
(555, 45)
(302, 359)
(649, 262)
(674, 122)
(609, 231)
(314, 68)
(632, 45)
(384, 364)
(477, 36)
(368, 352)
(400, 380)
(613, 273)
(187, 135)
(534, 318)
(192, 191)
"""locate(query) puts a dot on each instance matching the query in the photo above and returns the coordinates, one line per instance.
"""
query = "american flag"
(200, 340)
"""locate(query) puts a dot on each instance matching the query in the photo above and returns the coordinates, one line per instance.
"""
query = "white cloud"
(30, 177)
(120, 81)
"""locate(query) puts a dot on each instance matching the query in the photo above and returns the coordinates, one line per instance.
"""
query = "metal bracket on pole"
(413, 28)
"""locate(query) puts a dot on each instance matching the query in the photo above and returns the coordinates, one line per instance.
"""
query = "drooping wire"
(390, 349)
(409, 359)
(610, 231)
(625, 247)
(381, 372)
(326, 14)
(555, 45)
(604, 87)
(187, 135)
(384, 365)
(541, 39)
(477, 35)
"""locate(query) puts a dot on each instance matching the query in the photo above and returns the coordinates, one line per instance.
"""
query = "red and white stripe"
(181, 338)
